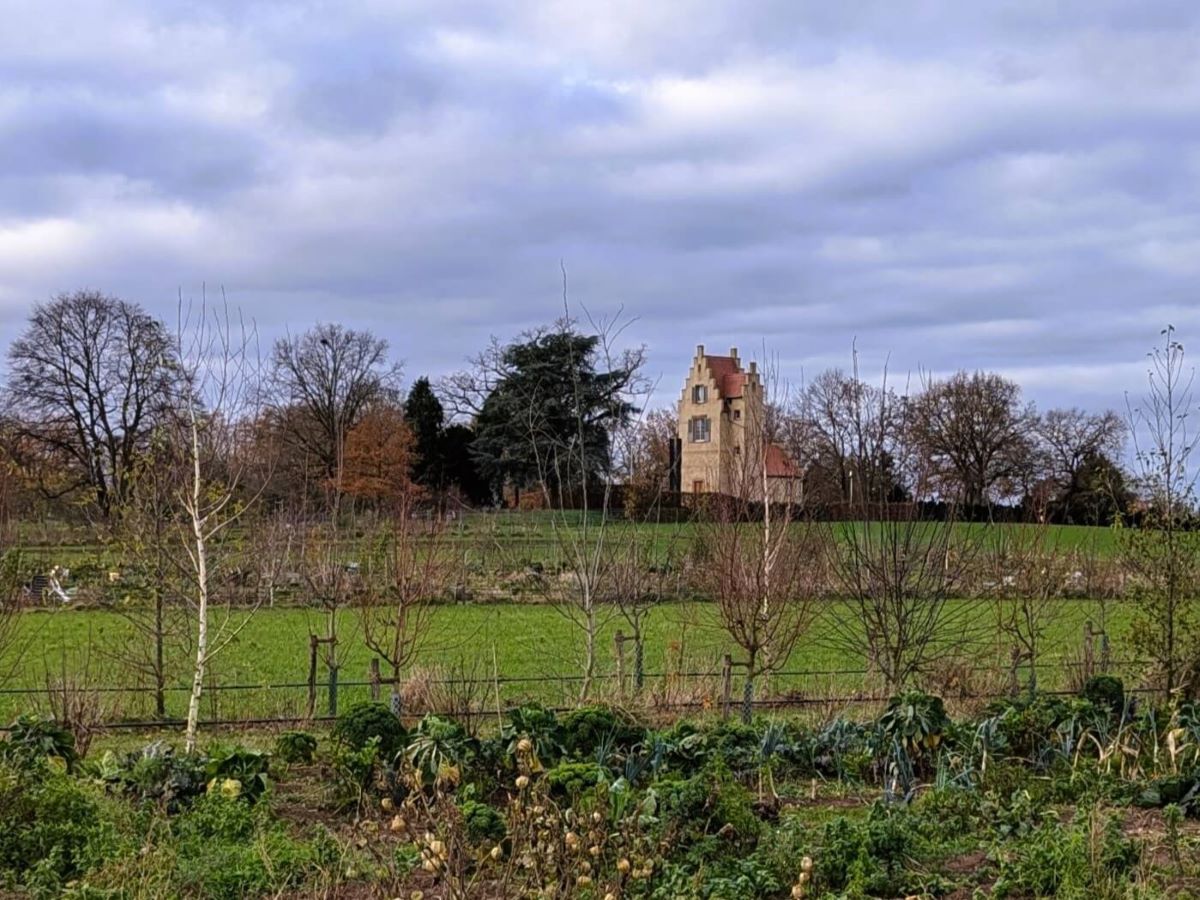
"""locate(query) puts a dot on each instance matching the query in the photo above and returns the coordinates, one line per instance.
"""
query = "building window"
(698, 430)
(700, 394)
(737, 414)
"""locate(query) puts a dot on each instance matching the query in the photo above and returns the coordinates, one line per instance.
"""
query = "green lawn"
(533, 648)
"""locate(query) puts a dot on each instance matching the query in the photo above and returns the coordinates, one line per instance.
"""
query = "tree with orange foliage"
(379, 458)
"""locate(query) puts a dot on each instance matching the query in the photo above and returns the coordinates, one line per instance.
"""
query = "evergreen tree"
(425, 418)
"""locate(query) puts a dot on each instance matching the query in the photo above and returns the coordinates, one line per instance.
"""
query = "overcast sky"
(1016, 190)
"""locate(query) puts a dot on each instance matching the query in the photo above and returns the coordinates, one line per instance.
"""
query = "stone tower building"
(722, 432)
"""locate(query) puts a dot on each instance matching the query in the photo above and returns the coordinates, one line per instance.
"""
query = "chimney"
(753, 367)
(733, 352)
(699, 350)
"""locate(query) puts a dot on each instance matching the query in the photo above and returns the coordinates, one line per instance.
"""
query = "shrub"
(54, 829)
(364, 721)
(867, 857)
(1091, 858)
(30, 738)
(296, 747)
(1106, 692)
(483, 822)
(706, 804)
(599, 728)
(226, 848)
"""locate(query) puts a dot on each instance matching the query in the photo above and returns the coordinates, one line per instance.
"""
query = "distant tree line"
(93, 382)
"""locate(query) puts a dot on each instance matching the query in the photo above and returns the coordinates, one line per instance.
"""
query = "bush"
(711, 802)
(1091, 858)
(296, 747)
(364, 721)
(226, 848)
(54, 829)
(31, 738)
(867, 857)
(1106, 692)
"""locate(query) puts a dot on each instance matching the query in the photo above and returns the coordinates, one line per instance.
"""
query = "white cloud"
(956, 185)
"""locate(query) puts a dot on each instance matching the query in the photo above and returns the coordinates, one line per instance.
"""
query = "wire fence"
(664, 692)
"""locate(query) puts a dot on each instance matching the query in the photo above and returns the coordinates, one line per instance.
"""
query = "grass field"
(533, 648)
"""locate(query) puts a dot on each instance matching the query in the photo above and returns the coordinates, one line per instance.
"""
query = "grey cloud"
(1008, 186)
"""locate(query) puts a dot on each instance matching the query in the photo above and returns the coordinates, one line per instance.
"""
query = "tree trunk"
(200, 562)
(160, 696)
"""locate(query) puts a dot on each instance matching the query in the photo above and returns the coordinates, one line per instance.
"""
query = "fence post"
(373, 677)
(726, 684)
(312, 675)
(619, 646)
(1088, 650)
(333, 691)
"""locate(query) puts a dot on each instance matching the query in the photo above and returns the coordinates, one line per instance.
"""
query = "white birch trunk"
(200, 562)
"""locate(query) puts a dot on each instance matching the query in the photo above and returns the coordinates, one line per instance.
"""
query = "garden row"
(1038, 796)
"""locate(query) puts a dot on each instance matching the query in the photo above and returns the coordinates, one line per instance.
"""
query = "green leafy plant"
(589, 728)
(365, 721)
(438, 748)
(915, 720)
(238, 771)
(540, 726)
(483, 822)
(1090, 858)
(54, 828)
(156, 774)
(30, 738)
(296, 747)
(1106, 692)
(569, 780)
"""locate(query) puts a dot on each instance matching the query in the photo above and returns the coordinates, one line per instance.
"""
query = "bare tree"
(321, 384)
(974, 433)
(899, 576)
(762, 569)
(1163, 552)
(213, 430)
(1071, 442)
(1026, 570)
(406, 579)
(149, 593)
(330, 573)
(88, 381)
(645, 568)
(572, 454)
(1069, 436)
(845, 432)
(643, 459)
(12, 642)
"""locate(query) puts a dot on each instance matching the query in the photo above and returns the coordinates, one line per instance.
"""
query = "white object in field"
(54, 587)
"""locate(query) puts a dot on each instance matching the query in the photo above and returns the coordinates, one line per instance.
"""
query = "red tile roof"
(779, 464)
(728, 374)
